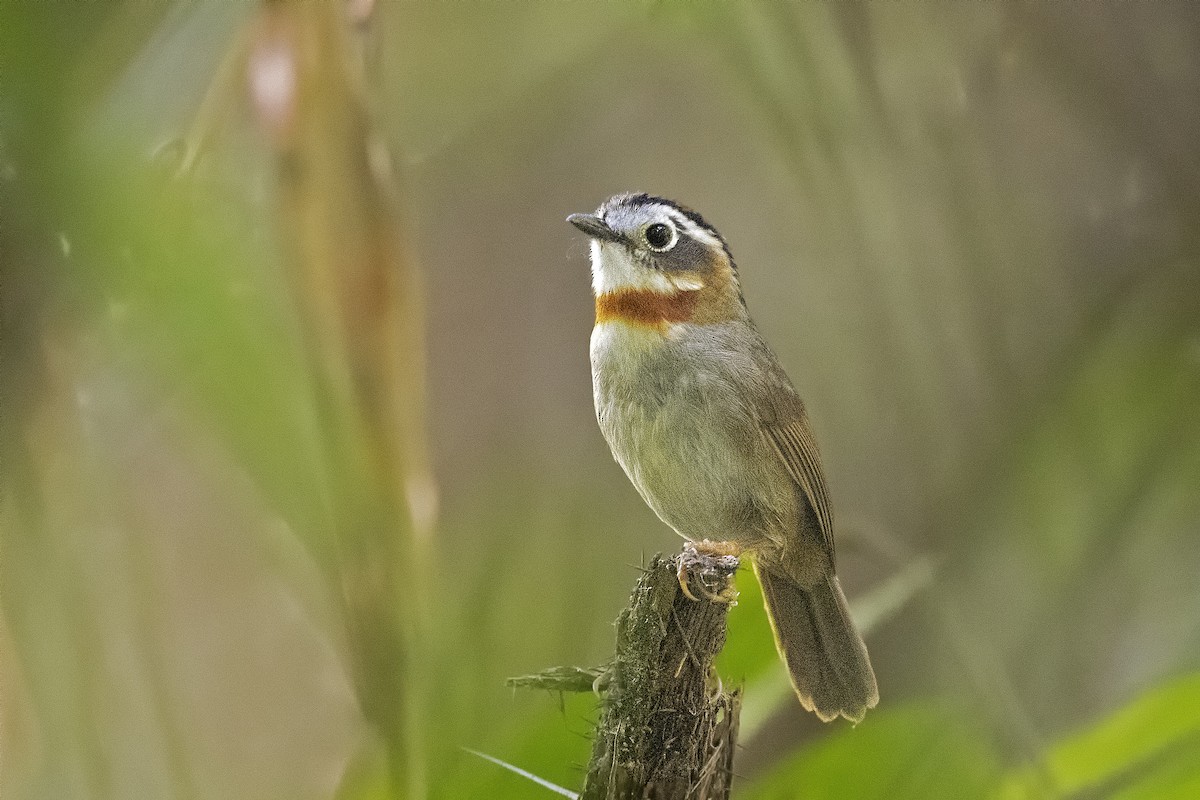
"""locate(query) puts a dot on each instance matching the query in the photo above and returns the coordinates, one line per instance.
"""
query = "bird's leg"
(707, 549)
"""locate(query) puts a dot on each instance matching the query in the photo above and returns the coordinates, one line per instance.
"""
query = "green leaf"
(1150, 748)
(914, 751)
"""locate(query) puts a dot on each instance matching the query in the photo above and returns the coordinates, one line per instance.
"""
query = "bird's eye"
(660, 236)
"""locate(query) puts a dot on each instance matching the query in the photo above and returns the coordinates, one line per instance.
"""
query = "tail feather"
(824, 654)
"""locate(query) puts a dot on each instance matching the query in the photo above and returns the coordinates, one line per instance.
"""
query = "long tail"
(825, 656)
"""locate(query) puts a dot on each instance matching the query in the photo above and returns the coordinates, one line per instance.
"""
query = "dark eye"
(660, 236)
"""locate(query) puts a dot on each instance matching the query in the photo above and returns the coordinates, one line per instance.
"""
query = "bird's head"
(655, 262)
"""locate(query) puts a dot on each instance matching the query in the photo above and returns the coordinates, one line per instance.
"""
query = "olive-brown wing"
(794, 442)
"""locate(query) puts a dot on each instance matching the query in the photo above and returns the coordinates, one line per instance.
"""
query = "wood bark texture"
(668, 728)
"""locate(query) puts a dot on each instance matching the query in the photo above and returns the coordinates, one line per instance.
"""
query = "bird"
(700, 414)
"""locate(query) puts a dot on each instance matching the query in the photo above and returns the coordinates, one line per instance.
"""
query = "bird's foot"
(698, 557)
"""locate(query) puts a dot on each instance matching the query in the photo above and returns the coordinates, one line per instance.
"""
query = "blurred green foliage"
(913, 751)
(970, 232)
(1147, 749)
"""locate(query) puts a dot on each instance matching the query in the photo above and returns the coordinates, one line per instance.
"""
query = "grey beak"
(594, 227)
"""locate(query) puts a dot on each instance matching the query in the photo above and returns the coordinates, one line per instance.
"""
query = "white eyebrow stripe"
(695, 231)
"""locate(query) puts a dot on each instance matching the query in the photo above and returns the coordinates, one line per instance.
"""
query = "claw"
(728, 595)
(683, 582)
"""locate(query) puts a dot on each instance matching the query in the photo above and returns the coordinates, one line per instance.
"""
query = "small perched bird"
(699, 413)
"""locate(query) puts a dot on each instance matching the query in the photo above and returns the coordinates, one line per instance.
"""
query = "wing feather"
(794, 442)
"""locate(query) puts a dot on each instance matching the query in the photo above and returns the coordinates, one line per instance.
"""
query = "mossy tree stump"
(667, 727)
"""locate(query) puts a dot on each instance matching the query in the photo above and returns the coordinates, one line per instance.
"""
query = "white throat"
(614, 270)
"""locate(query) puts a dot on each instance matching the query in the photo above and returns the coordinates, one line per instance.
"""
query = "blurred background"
(299, 457)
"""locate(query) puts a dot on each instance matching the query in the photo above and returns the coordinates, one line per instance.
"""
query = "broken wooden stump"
(668, 727)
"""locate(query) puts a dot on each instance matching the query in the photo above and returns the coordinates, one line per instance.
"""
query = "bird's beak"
(594, 227)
